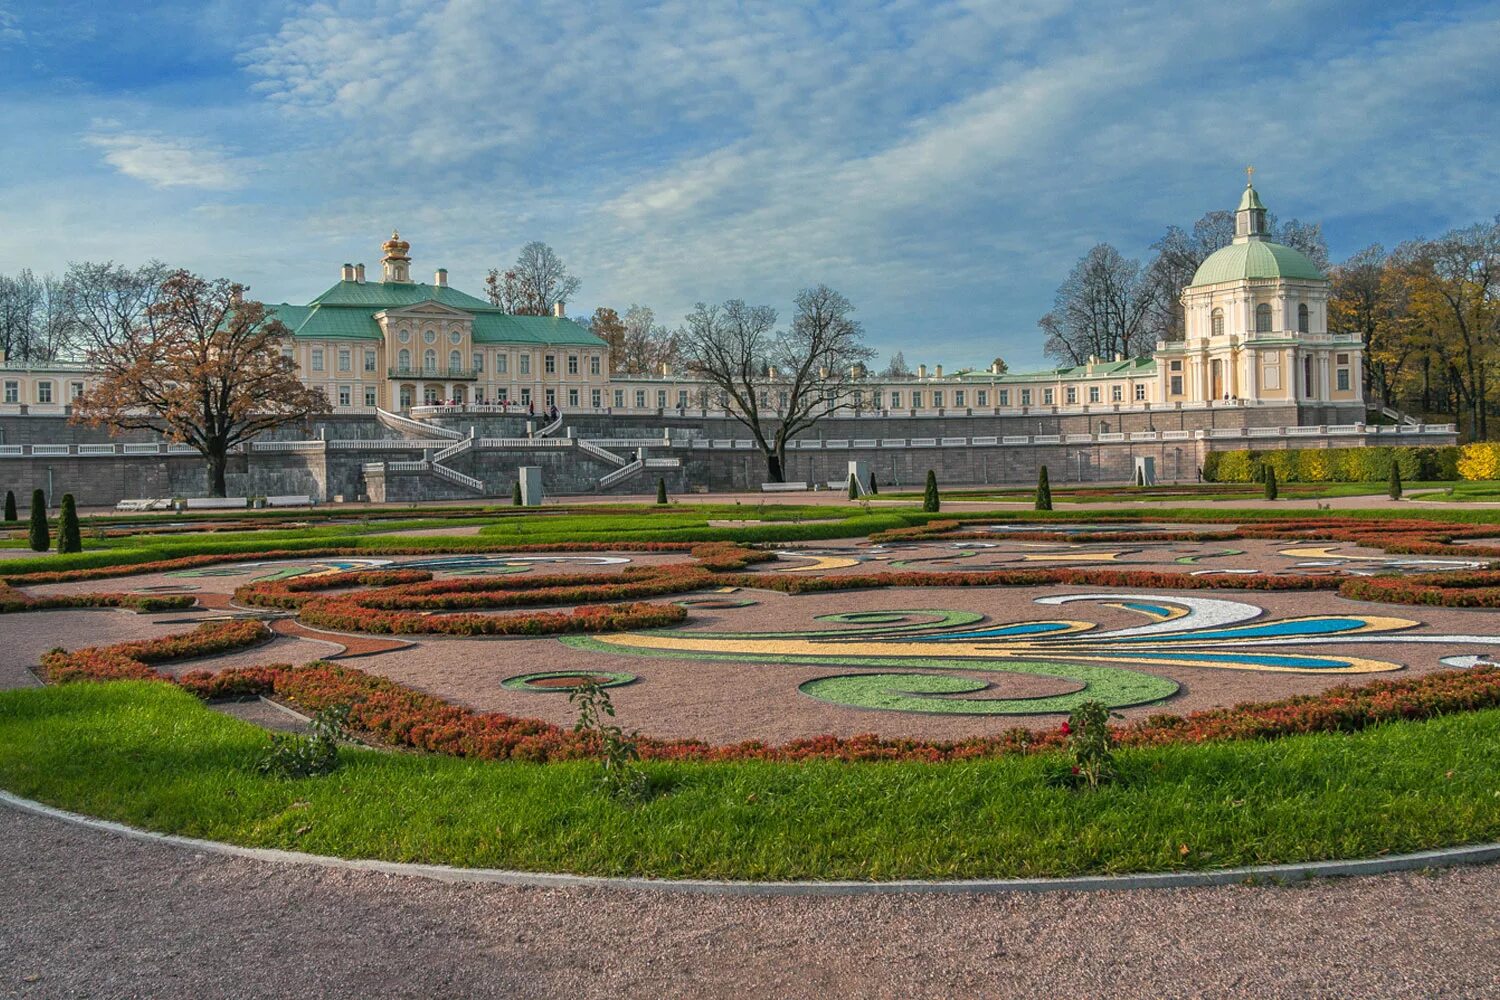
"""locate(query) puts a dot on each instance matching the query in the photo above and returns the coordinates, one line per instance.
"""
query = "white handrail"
(589, 448)
(453, 476)
(621, 474)
(456, 448)
(550, 428)
(405, 425)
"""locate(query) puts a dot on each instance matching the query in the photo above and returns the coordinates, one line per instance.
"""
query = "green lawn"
(149, 754)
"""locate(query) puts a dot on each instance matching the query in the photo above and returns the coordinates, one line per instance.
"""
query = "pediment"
(427, 309)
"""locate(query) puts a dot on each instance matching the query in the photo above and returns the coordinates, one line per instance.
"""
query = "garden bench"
(300, 500)
(216, 503)
(781, 487)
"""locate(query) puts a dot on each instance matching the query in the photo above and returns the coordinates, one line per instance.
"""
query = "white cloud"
(165, 162)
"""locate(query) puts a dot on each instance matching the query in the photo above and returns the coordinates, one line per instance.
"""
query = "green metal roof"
(347, 312)
(1250, 200)
(1102, 369)
(1255, 259)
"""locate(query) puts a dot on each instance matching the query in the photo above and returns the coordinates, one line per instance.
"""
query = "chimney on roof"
(921, 371)
(994, 368)
(1119, 357)
(441, 277)
(359, 273)
(346, 273)
(939, 373)
(559, 308)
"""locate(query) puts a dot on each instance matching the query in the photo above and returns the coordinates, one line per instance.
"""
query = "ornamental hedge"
(1334, 465)
(12, 600)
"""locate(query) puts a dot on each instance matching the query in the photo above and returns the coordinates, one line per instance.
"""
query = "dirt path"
(88, 914)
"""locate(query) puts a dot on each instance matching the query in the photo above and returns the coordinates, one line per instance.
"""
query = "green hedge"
(1332, 465)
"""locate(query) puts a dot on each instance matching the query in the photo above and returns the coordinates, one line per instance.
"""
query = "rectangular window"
(640, 399)
(916, 399)
(502, 364)
(573, 397)
(1176, 388)
(75, 391)
(682, 399)
(12, 391)
(937, 399)
(549, 365)
(1140, 392)
(317, 359)
(1176, 366)
(1116, 393)
(1072, 395)
(596, 398)
(344, 395)
(572, 364)
(1048, 396)
(1343, 380)
(286, 352)
(478, 362)
(895, 399)
(661, 399)
(369, 395)
(1004, 395)
(982, 397)
(1025, 397)
(551, 398)
(594, 364)
(345, 361)
(1093, 394)
(620, 397)
(525, 395)
(525, 366)
(958, 397)
(1342, 359)
(369, 361)
(502, 394)
(44, 392)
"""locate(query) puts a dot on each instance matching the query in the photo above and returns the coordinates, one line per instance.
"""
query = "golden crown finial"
(1249, 176)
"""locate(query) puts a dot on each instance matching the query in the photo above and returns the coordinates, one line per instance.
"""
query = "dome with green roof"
(1255, 259)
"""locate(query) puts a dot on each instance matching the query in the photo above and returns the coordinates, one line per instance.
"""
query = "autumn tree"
(536, 283)
(777, 384)
(1370, 298)
(1100, 310)
(203, 367)
(605, 324)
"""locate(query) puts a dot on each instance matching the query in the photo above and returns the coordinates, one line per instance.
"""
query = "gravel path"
(87, 914)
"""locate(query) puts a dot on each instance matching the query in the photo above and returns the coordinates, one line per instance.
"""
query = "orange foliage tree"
(204, 367)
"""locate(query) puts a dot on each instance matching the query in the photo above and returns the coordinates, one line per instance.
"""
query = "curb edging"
(1474, 854)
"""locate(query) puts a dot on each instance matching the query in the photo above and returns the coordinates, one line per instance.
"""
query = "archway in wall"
(432, 394)
(407, 396)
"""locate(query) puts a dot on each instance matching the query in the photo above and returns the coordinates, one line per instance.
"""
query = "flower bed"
(131, 660)
(390, 713)
(1446, 590)
(12, 599)
(1033, 578)
(347, 616)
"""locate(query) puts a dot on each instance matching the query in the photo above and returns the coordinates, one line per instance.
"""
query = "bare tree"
(204, 367)
(1100, 310)
(897, 368)
(108, 301)
(536, 283)
(778, 386)
(20, 302)
(648, 345)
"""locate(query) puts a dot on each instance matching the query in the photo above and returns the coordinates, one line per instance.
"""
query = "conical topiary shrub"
(853, 487)
(41, 540)
(515, 493)
(1270, 479)
(1395, 484)
(69, 538)
(10, 505)
(930, 501)
(661, 490)
(1043, 490)
(873, 488)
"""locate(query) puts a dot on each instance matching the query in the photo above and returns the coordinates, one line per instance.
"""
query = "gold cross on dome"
(1249, 176)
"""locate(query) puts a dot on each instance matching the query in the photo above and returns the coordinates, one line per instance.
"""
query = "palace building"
(1256, 334)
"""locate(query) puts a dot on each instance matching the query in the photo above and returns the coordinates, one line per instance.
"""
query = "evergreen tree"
(661, 490)
(1043, 490)
(40, 539)
(1395, 485)
(1270, 479)
(69, 538)
(10, 505)
(930, 502)
(515, 494)
(853, 488)
(873, 488)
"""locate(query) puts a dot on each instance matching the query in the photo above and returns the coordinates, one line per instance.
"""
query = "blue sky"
(943, 164)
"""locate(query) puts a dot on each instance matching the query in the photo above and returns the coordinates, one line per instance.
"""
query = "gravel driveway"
(88, 914)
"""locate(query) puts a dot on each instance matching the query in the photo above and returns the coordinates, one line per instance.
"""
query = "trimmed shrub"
(930, 501)
(69, 539)
(1394, 487)
(1346, 465)
(1043, 490)
(1270, 480)
(1480, 460)
(515, 493)
(853, 488)
(873, 488)
(41, 539)
(661, 490)
(10, 506)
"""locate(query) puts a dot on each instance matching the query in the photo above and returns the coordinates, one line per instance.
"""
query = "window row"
(43, 391)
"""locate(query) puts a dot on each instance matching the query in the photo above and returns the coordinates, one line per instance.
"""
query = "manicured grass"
(151, 755)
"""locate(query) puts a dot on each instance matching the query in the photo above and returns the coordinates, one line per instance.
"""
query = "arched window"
(1263, 318)
(1218, 323)
(429, 360)
(403, 360)
(455, 361)
(1302, 318)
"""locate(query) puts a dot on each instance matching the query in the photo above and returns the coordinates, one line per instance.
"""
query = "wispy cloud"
(165, 162)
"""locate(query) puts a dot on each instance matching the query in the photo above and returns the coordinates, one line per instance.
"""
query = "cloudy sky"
(942, 163)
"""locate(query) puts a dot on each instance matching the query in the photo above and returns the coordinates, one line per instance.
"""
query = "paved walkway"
(88, 914)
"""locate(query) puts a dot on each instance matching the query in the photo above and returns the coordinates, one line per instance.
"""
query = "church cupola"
(396, 263)
(1250, 217)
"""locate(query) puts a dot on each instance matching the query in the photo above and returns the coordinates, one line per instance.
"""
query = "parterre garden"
(822, 692)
